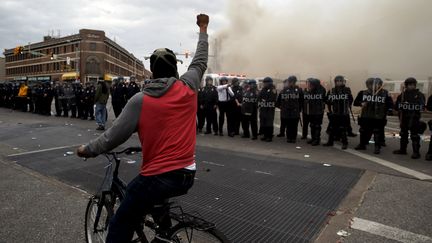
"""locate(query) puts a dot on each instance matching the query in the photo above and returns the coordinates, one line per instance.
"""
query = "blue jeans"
(142, 194)
(101, 114)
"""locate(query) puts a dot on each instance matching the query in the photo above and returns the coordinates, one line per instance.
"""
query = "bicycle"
(183, 227)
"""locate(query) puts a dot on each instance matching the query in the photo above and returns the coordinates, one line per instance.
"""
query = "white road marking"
(212, 163)
(263, 172)
(388, 231)
(43, 150)
(405, 170)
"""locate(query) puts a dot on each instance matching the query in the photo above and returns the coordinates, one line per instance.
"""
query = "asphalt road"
(254, 191)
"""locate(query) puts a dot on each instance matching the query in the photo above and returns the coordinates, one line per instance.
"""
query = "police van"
(217, 76)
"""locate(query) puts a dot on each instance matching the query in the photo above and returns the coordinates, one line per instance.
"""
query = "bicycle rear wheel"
(102, 213)
(186, 234)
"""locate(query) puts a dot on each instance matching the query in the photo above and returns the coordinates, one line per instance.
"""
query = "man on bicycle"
(164, 115)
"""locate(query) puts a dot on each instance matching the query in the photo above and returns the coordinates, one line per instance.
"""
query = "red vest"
(167, 130)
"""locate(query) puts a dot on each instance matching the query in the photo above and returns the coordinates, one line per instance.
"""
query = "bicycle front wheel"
(186, 234)
(100, 213)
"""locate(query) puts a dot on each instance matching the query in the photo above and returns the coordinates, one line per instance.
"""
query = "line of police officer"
(244, 104)
(71, 99)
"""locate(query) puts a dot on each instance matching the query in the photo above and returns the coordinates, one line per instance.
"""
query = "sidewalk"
(35, 208)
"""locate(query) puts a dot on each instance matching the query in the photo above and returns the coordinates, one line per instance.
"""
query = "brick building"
(87, 56)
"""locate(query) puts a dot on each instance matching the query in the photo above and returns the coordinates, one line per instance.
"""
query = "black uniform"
(38, 99)
(372, 118)
(339, 101)
(79, 99)
(429, 108)
(58, 91)
(290, 102)
(2, 95)
(249, 111)
(236, 108)
(410, 104)
(267, 104)
(89, 96)
(209, 102)
(118, 97)
(48, 95)
(200, 110)
(132, 89)
(313, 110)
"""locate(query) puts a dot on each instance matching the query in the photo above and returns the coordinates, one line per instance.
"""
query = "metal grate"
(250, 199)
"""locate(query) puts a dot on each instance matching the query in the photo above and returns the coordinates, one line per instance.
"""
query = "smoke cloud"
(357, 38)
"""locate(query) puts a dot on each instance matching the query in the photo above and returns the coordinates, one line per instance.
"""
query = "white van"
(217, 76)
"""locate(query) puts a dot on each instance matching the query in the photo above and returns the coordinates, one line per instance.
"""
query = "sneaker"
(344, 146)
(254, 138)
(245, 136)
(428, 157)
(328, 144)
(280, 135)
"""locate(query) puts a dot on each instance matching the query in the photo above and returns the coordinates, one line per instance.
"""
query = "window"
(92, 46)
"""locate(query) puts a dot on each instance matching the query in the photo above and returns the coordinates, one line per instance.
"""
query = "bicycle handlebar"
(129, 150)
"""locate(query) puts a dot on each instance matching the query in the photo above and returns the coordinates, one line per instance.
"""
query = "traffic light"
(18, 50)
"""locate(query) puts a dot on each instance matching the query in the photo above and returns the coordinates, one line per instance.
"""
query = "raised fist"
(202, 20)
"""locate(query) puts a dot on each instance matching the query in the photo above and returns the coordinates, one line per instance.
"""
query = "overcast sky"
(140, 26)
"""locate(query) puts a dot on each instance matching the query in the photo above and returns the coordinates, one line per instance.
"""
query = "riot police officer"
(2, 94)
(249, 109)
(132, 88)
(410, 103)
(290, 102)
(58, 91)
(429, 108)
(118, 96)
(89, 96)
(48, 95)
(79, 99)
(339, 101)
(38, 98)
(313, 108)
(209, 103)
(200, 110)
(235, 107)
(267, 104)
(374, 103)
